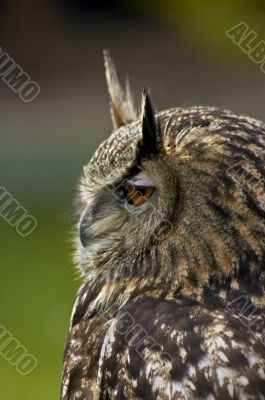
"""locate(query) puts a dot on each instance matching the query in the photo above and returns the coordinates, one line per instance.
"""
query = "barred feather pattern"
(195, 294)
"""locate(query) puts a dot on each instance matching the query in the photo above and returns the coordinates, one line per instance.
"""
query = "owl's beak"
(94, 228)
(84, 235)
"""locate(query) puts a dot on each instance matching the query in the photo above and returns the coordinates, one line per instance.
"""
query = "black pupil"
(133, 191)
(139, 190)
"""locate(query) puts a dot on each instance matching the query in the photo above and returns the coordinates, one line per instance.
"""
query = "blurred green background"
(178, 49)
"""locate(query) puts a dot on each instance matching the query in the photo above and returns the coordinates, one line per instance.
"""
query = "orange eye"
(138, 195)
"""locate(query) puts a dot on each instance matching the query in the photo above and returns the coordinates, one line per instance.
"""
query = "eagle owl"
(171, 250)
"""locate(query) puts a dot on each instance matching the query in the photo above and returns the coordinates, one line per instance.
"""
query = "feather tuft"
(121, 103)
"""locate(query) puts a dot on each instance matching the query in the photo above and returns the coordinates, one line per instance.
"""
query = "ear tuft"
(151, 142)
(121, 104)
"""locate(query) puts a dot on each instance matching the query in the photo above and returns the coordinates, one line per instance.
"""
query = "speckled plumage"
(172, 304)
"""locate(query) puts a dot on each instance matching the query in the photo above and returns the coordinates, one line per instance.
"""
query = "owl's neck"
(168, 269)
(106, 298)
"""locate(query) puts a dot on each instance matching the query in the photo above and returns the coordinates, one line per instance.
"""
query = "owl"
(171, 250)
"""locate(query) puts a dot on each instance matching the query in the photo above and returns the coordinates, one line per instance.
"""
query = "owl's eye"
(138, 195)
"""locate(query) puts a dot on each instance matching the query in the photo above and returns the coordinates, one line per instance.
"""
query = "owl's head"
(174, 199)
